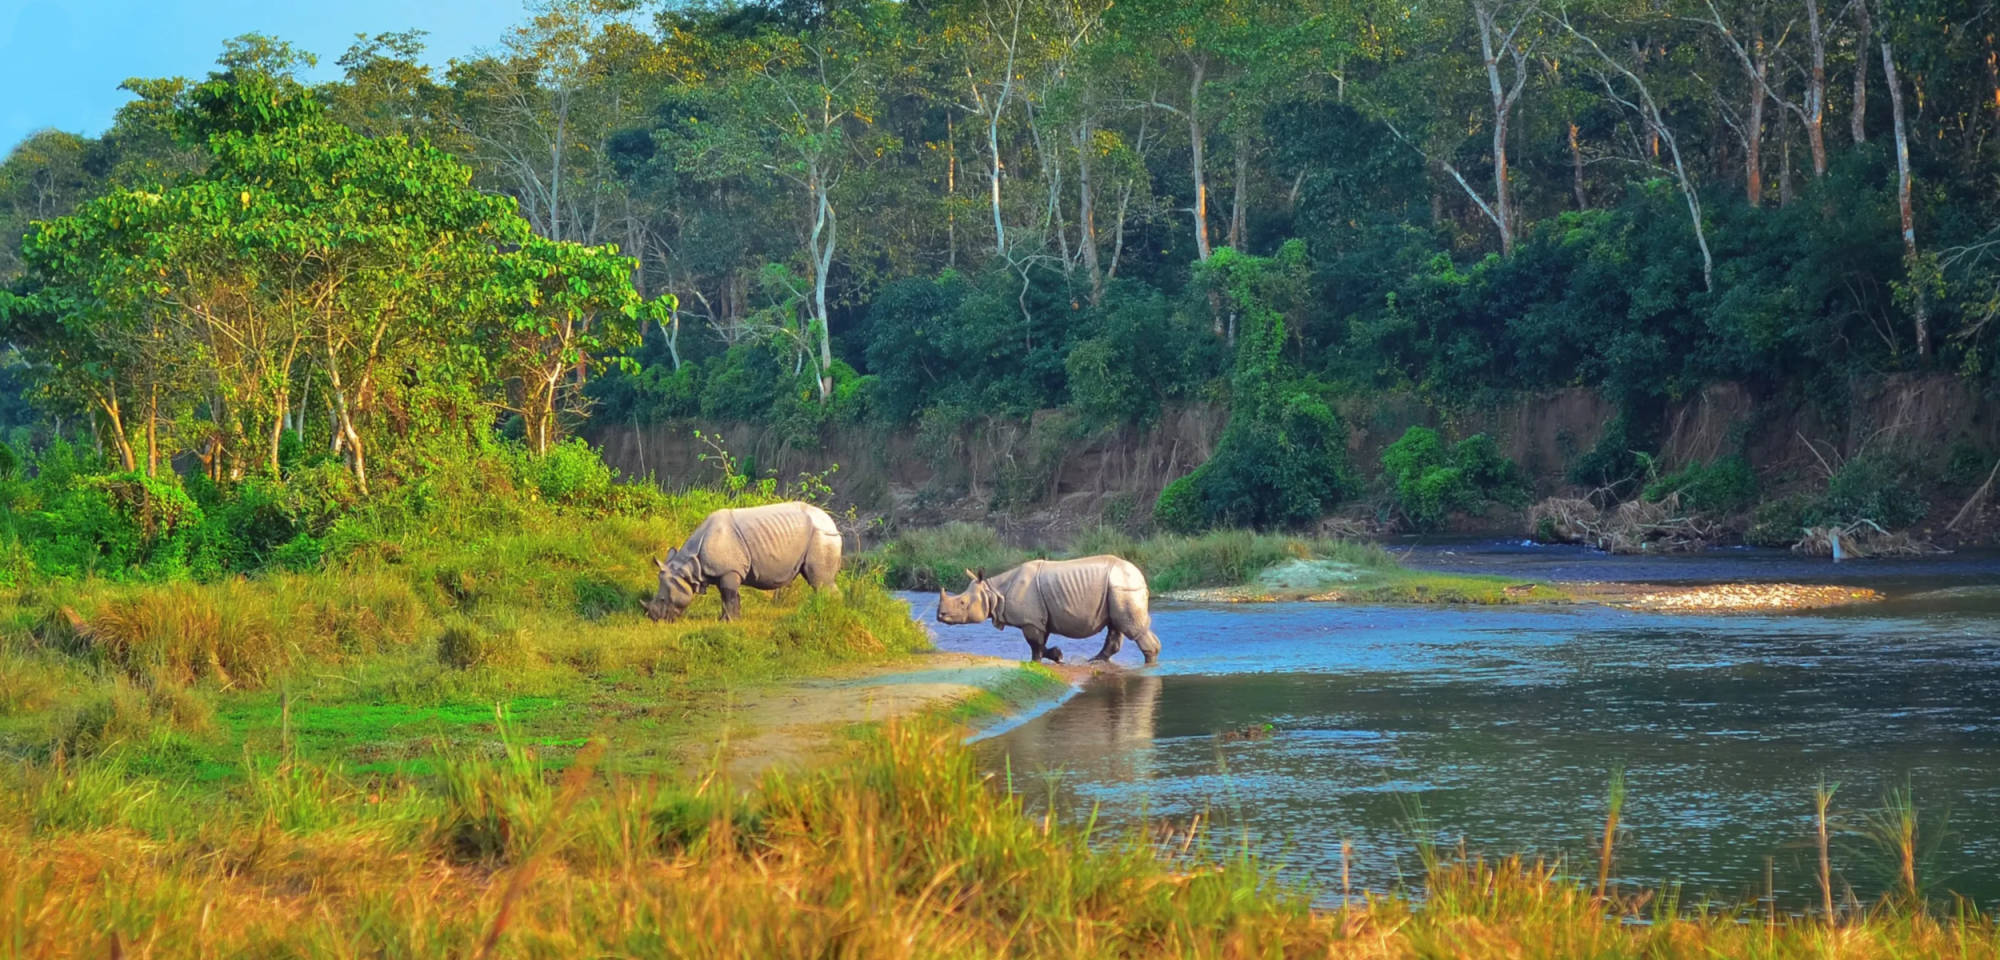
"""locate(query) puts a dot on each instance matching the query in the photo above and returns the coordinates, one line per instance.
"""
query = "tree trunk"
(951, 195)
(347, 439)
(1993, 78)
(1503, 99)
(1753, 128)
(278, 431)
(1086, 212)
(153, 433)
(1576, 170)
(825, 234)
(1858, 120)
(1641, 49)
(1816, 91)
(115, 421)
(1236, 194)
(1784, 156)
(1918, 308)
(1200, 180)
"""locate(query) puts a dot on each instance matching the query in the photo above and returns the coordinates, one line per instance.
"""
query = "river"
(1498, 728)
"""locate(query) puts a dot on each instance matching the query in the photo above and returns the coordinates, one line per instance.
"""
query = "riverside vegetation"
(1284, 209)
(318, 639)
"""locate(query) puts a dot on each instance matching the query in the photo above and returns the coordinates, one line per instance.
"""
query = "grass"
(408, 637)
(459, 740)
(1221, 564)
(905, 850)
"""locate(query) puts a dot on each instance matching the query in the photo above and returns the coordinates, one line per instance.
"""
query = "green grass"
(937, 557)
(408, 638)
(1022, 686)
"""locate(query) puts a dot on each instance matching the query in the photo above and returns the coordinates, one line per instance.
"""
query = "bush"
(1430, 482)
(1726, 485)
(570, 473)
(1876, 488)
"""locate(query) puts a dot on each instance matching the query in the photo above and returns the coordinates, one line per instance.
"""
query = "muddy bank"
(1041, 479)
(1663, 598)
(803, 723)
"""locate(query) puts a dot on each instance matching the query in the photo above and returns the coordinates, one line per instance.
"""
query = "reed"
(1614, 808)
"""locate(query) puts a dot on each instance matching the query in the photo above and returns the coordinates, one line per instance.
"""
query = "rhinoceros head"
(972, 606)
(678, 587)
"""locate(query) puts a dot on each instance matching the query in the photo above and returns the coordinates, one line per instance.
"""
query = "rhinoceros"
(1069, 598)
(764, 547)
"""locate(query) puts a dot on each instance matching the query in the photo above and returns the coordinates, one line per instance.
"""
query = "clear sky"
(61, 60)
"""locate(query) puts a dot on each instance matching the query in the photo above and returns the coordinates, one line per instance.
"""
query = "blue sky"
(61, 60)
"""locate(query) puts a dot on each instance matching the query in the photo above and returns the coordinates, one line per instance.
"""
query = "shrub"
(1726, 485)
(570, 473)
(1873, 487)
(1282, 460)
(128, 713)
(1430, 482)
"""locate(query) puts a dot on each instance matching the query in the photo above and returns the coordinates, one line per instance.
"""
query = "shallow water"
(1498, 727)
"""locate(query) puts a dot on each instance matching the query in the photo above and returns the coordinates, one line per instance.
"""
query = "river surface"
(1498, 728)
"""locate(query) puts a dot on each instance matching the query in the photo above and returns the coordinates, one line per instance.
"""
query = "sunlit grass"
(902, 850)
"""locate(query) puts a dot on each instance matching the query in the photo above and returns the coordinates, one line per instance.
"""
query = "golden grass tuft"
(905, 852)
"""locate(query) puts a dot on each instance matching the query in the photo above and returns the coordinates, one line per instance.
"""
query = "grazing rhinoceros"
(764, 547)
(1070, 598)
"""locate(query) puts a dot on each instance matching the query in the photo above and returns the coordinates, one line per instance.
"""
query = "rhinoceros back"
(778, 542)
(1075, 598)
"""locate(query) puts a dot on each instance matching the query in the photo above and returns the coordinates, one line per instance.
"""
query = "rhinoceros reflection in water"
(1067, 598)
(1111, 721)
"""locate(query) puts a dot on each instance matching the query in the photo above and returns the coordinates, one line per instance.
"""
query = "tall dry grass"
(907, 851)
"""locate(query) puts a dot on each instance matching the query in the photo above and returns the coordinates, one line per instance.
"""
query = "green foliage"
(1613, 461)
(1884, 489)
(1876, 487)
(1282, 460)
(570, 472)
(1725, 485)
(1430, 482)
(937, 557)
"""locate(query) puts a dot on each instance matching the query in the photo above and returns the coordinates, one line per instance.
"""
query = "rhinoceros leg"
(731, 588)
(1113, 642)
(1149, 645)
(1038, 642)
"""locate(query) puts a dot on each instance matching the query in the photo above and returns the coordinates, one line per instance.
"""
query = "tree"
(561, 305)
(803, 114)
(304, 253)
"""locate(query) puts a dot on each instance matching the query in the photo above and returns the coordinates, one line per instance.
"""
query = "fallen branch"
(1978, 496)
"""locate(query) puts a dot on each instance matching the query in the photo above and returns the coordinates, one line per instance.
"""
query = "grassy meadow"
(459, 737)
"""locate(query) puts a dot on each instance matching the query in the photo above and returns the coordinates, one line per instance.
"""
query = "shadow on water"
(1506, 722)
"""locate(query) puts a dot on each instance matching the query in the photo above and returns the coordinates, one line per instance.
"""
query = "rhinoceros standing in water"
(1070, 598)
(763, 547)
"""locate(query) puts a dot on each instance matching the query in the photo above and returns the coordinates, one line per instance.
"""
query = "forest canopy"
(940, 210)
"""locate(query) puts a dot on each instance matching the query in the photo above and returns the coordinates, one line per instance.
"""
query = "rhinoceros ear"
(661, 564)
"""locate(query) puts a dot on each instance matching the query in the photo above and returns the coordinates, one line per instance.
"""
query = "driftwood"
(1635, 526)
(1978, 497)
(1862, 539)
